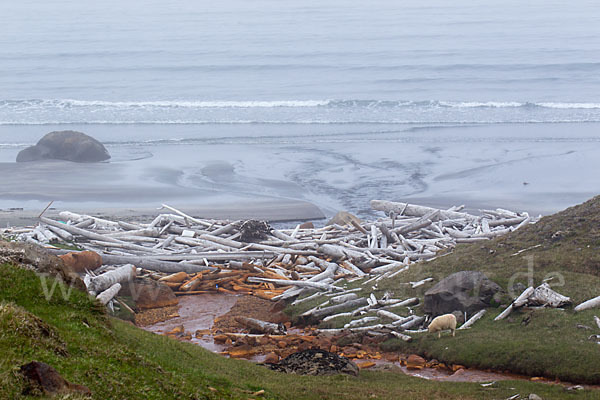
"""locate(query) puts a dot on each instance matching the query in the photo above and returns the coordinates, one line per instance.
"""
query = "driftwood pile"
(250, 257)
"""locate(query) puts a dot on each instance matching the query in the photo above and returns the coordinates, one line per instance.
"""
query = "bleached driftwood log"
(109, 293)
(420, 283)
(104, 281)
(401, 336)
(283, 282)
(591, 303)
(544, 296)
(359, 322)
(79, 231)
(519, 302)
(473, 319)
(414, 210)
(415, 321)
(323, 312)
(343, 298)
(256, 325)
(390, 315)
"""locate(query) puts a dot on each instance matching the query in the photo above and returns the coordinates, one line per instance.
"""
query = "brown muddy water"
(200, 311)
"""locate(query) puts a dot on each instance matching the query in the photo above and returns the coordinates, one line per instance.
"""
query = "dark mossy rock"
(45, 378)
(464, 291)
(315, 362)
(65, 145)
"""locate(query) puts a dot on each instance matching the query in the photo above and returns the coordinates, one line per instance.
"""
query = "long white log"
(330, 317)
(261, 326)
(343, 298)
(504, 313)
(78, 231)
(307, 298)
(412, 227)
(520, 301)
(284, 282)
(388, 267)
(415, 210)
(403, 320)
(592, 303)
(85, 223)
(390, 315)
(125, 245)
(64, 235)
(420, 283)
(473, 319)
(323, 312)
(225, 229)
(401, 336)
(52, 237)
(109, 293)
(282, 236)
(222, 241)
(361, 321)
(185, 216)
(147, 232)
(357, 271)
(506, 221)
(406, 303)
(104, 281)
(523, 297)
(100, 223)
(411, 324)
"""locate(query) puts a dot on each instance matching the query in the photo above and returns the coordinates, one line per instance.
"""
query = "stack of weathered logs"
(193, 255)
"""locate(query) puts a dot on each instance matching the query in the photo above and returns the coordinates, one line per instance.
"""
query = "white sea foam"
(570, 105)
(72, 111)
(190, 104)
(476, 104)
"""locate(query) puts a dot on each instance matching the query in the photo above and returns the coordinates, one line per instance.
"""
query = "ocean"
(350, 90)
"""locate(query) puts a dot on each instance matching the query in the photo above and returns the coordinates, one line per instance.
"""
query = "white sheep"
(441, 323)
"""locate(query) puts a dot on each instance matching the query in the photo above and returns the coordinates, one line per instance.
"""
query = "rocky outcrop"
(82, 261)
(465, 291)
(149, 294)
(315, 362)
(36, 258)
(344, 218)
(65, 145)
(45, 378)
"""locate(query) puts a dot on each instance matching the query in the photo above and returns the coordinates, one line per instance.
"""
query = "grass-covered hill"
(116, 360)
(565, 247)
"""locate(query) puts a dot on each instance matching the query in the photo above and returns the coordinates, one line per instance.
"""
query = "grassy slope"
(119, 361)
(550, 344)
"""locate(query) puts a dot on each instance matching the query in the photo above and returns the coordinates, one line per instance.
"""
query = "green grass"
(116, 360)
(550, 344)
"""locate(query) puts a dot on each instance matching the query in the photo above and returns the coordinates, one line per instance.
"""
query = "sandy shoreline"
(273, 211)
(299, 173)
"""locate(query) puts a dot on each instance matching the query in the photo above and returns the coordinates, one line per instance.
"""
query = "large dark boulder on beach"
(65, 145)
(465, 291)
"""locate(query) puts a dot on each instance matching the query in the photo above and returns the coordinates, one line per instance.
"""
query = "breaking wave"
(324, 111)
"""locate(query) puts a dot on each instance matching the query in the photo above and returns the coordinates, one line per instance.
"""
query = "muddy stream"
(198, 313)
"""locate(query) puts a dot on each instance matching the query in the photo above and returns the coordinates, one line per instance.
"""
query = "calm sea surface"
(336, 102)
(296, 63)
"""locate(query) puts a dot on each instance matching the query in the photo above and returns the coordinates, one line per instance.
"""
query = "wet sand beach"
(301, 173)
